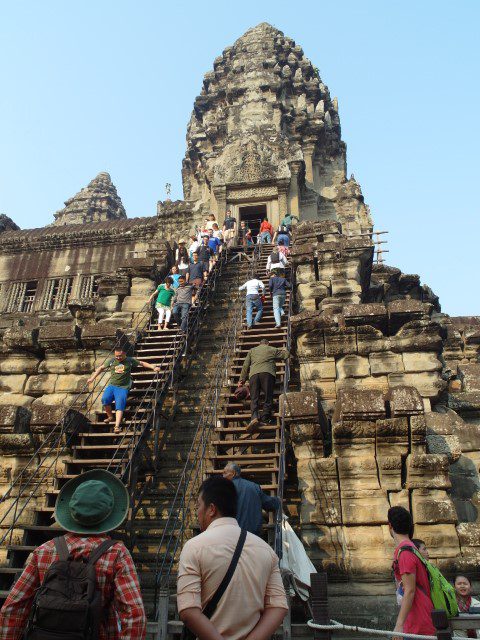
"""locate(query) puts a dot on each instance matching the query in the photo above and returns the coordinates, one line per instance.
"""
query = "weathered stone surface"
(71, 383)
(359, 473)
(423, 361)
(428, 471)
(16, 399)
(81, 362)
(363, 506)
(299, 404)
(59, 337)
(352, 366)
(428, 383)
(353, 438)
(304, 432)
(369, 550)
(340, 342)
(41, 384)
(392, 437)
(467, 402)
(441, 540)
(404, 401)
(318, 484)
(390, 471)
(382, 363)
(21, 338)
(96, 202)
(18, 363)
(13, 383)
(448, 445)
(14, 419)
(359, 405)
(431, 506)
(16, 444)
(103, 334)
(373, 314)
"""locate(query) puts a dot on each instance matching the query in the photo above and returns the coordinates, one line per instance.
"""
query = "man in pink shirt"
(415, 615)
(254, 603)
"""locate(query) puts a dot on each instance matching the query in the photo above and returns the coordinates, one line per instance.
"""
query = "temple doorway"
(253, 216)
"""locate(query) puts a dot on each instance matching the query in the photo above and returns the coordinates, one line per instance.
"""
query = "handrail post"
(441, 624)
(319, 602)
(162, 614)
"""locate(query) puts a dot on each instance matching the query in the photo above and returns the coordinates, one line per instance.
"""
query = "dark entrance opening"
(253, 216)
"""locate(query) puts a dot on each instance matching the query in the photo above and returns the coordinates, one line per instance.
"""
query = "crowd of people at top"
(195, 259)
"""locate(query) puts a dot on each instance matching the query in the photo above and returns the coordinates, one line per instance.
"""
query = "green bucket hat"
(94, 502)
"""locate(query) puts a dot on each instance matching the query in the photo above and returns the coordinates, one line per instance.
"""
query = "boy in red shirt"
(416, 608)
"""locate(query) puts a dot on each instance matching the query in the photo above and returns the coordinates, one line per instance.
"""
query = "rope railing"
(192, 472)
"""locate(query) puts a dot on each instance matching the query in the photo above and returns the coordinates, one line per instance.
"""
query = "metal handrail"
(281, 466)
(36, 478)
(178, 513)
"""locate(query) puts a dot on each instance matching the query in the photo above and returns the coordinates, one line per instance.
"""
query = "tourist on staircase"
(259, 369)
(197, 272)
(282, 234)
(243, 234)
(266, 232)
(251, 500)
(210, 221)
(182, 301)
(255, 290)
(252, 603)
(278, 286)
(120, 368)
(88, 507)
(218, 234)
(182, 259)
(284, 250)
(205, 252)
(288, 221)
(214, 243)
(174, 275)
(193, 246)
(276, 261)
(229, 229)
(163, 305)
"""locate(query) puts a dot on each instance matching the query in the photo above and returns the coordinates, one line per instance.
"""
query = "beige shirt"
(256, 584)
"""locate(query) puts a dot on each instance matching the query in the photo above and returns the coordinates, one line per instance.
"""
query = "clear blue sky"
(108, 85)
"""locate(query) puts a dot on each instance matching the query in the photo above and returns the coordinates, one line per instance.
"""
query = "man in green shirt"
(120, 368)
(288, 221)
(259, 368)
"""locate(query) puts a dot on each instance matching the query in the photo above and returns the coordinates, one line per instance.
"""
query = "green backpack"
(442, 593)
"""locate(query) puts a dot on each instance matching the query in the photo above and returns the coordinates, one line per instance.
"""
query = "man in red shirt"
(266, 231)
(416, 607)
(88, 506)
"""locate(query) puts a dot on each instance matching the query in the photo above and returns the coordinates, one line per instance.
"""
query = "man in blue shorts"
(120, 368)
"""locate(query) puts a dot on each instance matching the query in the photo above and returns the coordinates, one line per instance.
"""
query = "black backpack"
(68, 604)
(275, 257)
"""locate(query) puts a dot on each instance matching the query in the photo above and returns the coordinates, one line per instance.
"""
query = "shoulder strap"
(100, 550)
(62, 548)
(212, 605)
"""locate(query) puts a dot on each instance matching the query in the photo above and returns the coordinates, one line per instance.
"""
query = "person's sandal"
(117, 430)
(108, 420)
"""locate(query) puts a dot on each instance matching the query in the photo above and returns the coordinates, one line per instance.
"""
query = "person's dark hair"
(265, 218)
(401, 520)
(182, 277)
(281, 242)
(168, 280)
(182, 251)
(418, 543)
(264, 341)
(460, 575)
(222, 493)
(120, 349)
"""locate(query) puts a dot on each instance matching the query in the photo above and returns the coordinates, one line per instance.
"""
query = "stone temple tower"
(264, 138)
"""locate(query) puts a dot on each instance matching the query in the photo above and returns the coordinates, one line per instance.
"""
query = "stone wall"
(397, 386)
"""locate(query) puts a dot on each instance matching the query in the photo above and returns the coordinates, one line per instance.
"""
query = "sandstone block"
(399, 499)
(59, 336)
(14, 419)
(468, 434)
(19, 363)
(359, 473)
(369, 549)
(342, 286)
(326, 388)
(82, 362)
(429, 471)
(102, 335)
(390, 472)
(418, 430)
(13, 383)
(373, 314)
(440, 424)
(370, 340)
(52, 399)
(21, 338)
(311, 345)
(352, 366)
(431, 506)
(303, 432)
(448, 445)
(377, 383)
(364, 506)
(134, 303)
(428, 383)
(441, 540)
(392, 437)
(402, 311)
(385, 362)
(465, 403)
(468, 535)
(359, 405)
(325, 546)
(16, 399)
(299, 404)
(340, 342)
(404, 401)
(353, 438)
(71, 383)
(20, 444)
(421, 361)
(318, 485)
(469, 374)
(418, 335)
(109, 304)
(41, 384)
